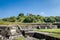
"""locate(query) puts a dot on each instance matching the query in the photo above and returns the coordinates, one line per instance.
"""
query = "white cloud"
(42, 13)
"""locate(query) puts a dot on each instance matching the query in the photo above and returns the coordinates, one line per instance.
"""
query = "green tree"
(57, 18)
(5, 19)
(28, 20)
(39, 19)
(21, 18)
(12, 19)
(50, 19)
(21, 14)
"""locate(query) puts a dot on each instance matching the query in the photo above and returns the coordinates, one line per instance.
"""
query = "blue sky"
(42, 7)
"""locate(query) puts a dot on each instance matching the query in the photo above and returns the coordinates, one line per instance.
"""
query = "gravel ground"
(13, 37)
(30, 38)
(26, 38)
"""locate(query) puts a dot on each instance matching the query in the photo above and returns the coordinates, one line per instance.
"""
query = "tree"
(39, 19)
(12, 19)
(57, 18)
(5, 19)
(21, 14)
(50, 19)
(32, 18)
(21, 18)
(28, 20)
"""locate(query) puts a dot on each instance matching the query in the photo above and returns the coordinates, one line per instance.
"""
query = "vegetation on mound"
(32, 19)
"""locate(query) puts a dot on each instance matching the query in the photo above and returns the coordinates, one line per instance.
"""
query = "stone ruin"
(38, 26)
(7, 31)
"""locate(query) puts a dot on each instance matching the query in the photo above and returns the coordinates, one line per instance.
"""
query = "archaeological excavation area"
(30, 32)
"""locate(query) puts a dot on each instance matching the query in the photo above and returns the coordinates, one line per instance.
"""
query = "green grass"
(21, 38)
(55, 35)
(54, 32)
(5, 23)
(49, 30)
